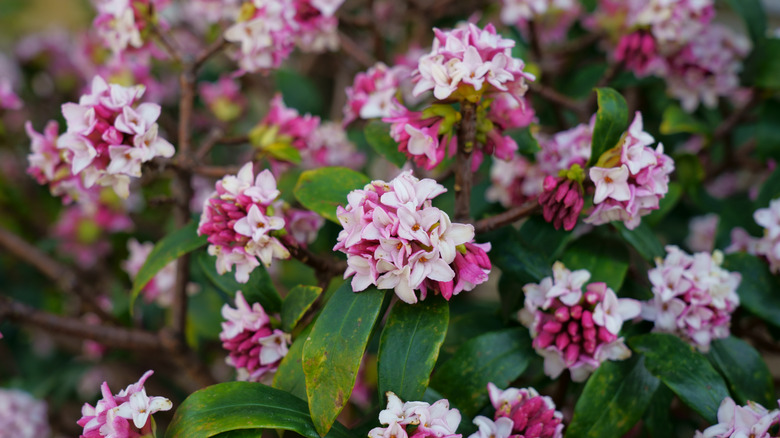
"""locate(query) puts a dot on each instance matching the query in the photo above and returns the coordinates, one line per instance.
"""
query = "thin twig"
(510, 216)
(215, 171)
(37, 258)
(463, 177)
(325, 266)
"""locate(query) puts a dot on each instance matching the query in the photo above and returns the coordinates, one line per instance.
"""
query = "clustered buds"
(124, 25)
(768, 245)
(430, 421)
(110, 135)
(373, 92)
(693, 296)
(395, 239)
(751, 420)
(254, 348)
(520, 412)
(124, 415)
(22, 416)
(572, 329)
(562, 200)
(160, 288)
(269, 30)
(630, 178)
(241, 222)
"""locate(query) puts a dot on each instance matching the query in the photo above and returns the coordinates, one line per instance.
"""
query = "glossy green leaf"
(658, 420)
(614, 399)
(296, 303)
(744, 369)
(605, 258)
(611, 122)
(752, 12)
(409, 346)
(289, 376)
(378, 137)
(758, 290)
(322, 190)
(332, 355)
(259, 288)
(526, 142)
(299, 92)
(768, 64)
(511, 253)
(770, 190)
(643, 239)
(686, 372)
(234, 406)
(168, 249)
(544, 238)
(497, 357)
(676, 121)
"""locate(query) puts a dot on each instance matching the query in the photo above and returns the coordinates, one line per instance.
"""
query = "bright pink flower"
(372, 93)
(241, 222)
(562, 202)
(752, 420)
(693, 297)
(124, 415)
(639, 52)
(395, 239)
(529, 414)
(328, 145)
(255, 349)
(22, 416)
(575, 330)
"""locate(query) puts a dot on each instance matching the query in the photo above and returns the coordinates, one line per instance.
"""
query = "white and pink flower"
(22, 416)
(751, 420)
(431, 421)
(520, 412)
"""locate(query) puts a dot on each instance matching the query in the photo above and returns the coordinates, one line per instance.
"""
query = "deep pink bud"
(562, 314)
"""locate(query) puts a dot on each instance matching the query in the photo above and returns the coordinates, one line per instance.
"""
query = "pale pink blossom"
(701, 233)
(751, 420)
(436, 420)
(22, 416)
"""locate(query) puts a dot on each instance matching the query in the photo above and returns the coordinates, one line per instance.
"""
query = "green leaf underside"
(614, 399)
(289, 376)
(235, 406)
(409, 346)
(745, 371)
(498, 357)
(758, 290)
(334, 349)
(296, 303)
(324, 189)
(259, 288)
(686, 372)
(378, 137)
(168, 249)
(611, 122)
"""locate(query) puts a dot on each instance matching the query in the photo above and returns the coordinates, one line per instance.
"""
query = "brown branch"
(168, 46)
(215, 171)
(467, 132)
(38, 259)
(512, 215)
(326, 268)
(351, 48)
(184, 358)
(117, 337)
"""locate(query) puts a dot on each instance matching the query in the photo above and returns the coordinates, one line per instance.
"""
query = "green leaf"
(614, 399)
(745, 371)
(768, 64)
(643, 240)
(236, 406)
(378, 137)
(666, 205)
(331, 356)
(511, 253)
(686, 372)
(322, 190)
(752, 12)
(526, 142)
(283, 152)
(259, 288)
(605, 258)
(289, 376)
(299, 92)
(770, 190)
(296, 303)
(409, 346)
(168, 249)
(544, 238)
(689, 170)
(758, 290)
(657, 418)
(611, 122)
(677, 121)
(498, 357)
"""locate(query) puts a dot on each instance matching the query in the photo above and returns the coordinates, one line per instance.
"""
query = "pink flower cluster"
(466, 62)
(373, 92)
(124, 415)
(109, 136)
(161, 287)
(630, 178)
(319, 144)
(768, 245)
(224, 98)
(520, 413)
(431, 421)
(254, 348)
(81, 231)
(395, 239)
(552, 18)
(239, 220)
(48, 164)
(518, 180)
(267, 31)
(562, 200)
(693, 296)
(752, 420)
(124, 24)
(22, 416)
(572, 329)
